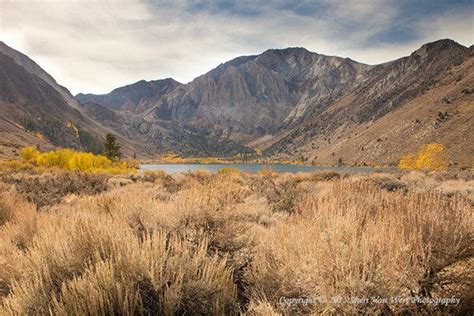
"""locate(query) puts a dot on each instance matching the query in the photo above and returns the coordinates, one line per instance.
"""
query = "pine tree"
(111, 148)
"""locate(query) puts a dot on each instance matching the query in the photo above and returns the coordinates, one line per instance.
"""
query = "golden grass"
(230, 243)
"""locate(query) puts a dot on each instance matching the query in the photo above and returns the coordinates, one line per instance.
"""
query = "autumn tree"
(430, 157)
(407, 162)
(29, 153)
(111, 148)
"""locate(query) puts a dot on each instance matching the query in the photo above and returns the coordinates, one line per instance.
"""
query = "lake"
(253, 168)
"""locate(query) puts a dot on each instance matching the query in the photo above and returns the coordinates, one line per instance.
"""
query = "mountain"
(287, 103)
(425, 97)
(296, 103)
(33, 68)
(134, 97)
(36, 110)
(235, 103)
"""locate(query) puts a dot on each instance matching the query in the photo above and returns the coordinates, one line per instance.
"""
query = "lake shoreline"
(254, 168)
(224, 162)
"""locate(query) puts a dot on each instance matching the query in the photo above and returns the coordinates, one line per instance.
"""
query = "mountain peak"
(442, 43)
(282, 52)
(143, 84)
(168, 80)
(288, 51)
(439, 46)
(129, 97)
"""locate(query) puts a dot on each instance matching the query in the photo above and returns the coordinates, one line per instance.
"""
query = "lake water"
(253, 168)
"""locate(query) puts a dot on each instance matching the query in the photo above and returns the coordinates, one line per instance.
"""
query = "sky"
(94, 46)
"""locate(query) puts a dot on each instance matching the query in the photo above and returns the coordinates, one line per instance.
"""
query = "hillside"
(35, 110)
(287, 103)
(292, 103)
(425, 97)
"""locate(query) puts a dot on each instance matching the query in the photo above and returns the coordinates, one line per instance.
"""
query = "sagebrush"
(233, 243)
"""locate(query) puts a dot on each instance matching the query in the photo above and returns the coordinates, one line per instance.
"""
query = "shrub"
(325, 175)
(81, 264)
(429, 157)
(391, 185)
(50, 189)
(17, 221)
(229, 244)
(358, 241)
(282, 195)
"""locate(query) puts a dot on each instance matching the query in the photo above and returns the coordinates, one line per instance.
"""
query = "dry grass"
(231, 243)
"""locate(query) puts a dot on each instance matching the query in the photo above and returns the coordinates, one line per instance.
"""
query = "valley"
(284, 104)
(260, 158)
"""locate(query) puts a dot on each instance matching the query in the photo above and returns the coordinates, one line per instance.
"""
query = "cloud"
(95, 46)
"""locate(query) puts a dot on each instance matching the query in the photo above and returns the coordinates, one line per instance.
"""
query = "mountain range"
(284, 103)
(36, 110)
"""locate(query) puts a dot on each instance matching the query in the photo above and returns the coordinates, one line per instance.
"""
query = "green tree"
(111, 148)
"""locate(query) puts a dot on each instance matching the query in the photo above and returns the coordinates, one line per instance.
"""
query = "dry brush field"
(232, 243)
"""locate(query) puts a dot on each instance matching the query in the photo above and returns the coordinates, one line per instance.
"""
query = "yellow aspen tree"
(407, 162)
(431, 157)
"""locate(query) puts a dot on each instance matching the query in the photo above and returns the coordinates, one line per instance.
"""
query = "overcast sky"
(97, 45)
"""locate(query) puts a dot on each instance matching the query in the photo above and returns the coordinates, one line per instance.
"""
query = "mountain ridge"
(256, 100)
(36, 110)
(292, 103)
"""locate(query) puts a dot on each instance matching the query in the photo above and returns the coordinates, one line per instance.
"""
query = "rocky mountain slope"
(237, 102)
(295, 103)
(35, 110)
(425, 97)
(30, 106)
(133, 98)
(287, 103)
(33, 68)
